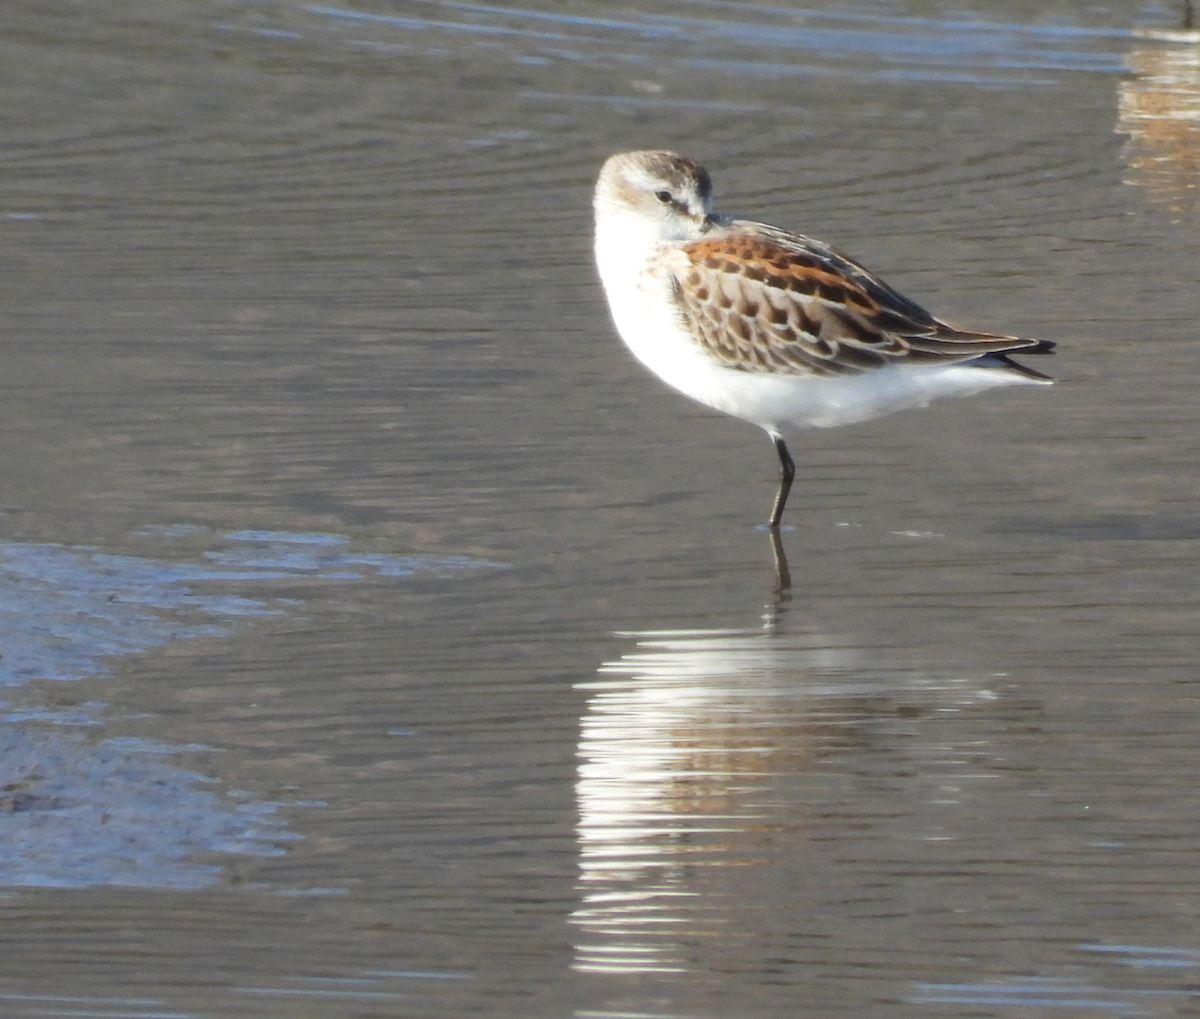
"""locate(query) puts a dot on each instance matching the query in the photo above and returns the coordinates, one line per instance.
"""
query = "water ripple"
(765, 41)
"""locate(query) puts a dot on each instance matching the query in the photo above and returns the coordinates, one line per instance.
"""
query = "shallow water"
(379, 640)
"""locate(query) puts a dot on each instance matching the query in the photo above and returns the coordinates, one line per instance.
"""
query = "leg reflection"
(783, 576)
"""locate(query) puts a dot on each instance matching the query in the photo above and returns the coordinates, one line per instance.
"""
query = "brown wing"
(760, 299)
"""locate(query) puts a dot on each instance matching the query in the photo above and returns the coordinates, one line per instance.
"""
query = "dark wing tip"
(1025, 370)
(1019, 345)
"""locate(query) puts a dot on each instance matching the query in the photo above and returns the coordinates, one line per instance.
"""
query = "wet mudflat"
(378, 639)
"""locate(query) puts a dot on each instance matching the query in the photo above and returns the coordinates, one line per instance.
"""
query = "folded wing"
(764, 300)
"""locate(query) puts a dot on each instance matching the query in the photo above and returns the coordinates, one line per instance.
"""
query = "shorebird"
(770, 326)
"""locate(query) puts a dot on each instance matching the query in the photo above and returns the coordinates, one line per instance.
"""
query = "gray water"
(378, 639)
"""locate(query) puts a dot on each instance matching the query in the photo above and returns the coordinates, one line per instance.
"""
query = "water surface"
(379, 640)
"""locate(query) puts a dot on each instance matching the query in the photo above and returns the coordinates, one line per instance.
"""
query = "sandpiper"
(769, 326)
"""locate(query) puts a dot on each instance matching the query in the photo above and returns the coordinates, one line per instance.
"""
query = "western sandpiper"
(769, 326)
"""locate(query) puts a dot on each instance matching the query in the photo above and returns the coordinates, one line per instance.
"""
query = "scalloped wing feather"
(765, 300)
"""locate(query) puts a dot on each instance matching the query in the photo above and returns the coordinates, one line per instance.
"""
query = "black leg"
(787, 471)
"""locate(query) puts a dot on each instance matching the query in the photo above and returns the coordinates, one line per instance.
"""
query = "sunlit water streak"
(1064, 994)
(753, 39)
(1067, 994)
(365, 986)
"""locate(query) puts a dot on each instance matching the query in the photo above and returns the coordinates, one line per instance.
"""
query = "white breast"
(635, 267)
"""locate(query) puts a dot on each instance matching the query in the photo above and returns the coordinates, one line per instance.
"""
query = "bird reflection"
(699, 751)
(1160, 111)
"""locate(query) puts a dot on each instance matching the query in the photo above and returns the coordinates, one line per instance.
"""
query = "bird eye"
(664, 196)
